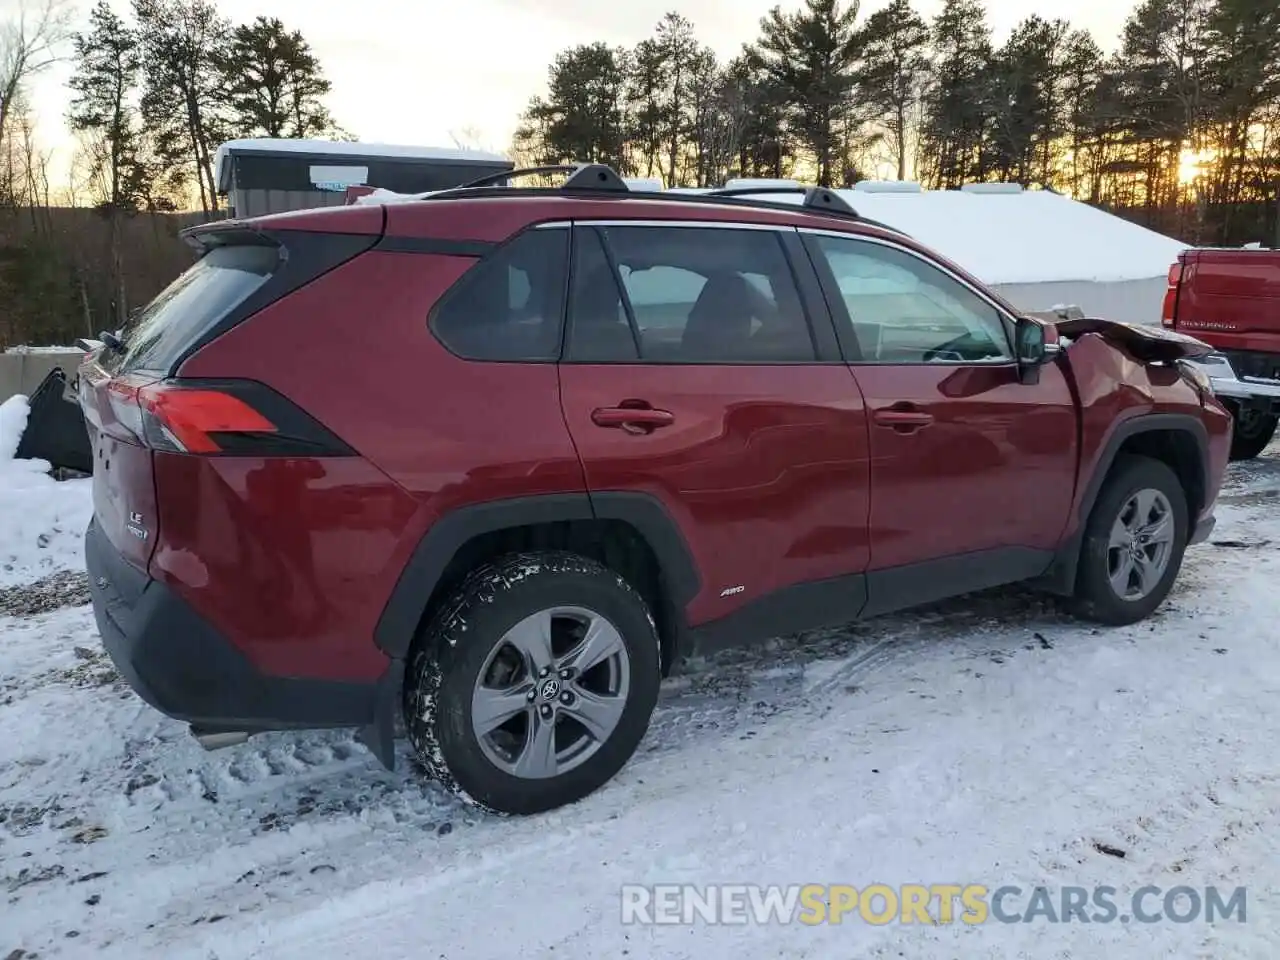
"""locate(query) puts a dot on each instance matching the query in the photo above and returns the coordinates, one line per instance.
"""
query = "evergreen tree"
(104, 86)
(714, 122)
(581, 118)
(184, 103)
(765, 146)
(1161, 95)
(274, 82)
(1243, 68)
(645, 89)
(1027, 79)
(957, 107)
(811, 55)
(1085, 93)
(679, 51)
(108, 62)
(895, 66)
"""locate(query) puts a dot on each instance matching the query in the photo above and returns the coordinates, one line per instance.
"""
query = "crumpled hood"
(1146, 343)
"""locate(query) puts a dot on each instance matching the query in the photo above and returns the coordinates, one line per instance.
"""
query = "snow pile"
(389, 196)
(42, 521)
(13, 420)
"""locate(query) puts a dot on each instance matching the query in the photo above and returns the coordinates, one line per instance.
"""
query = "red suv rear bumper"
(179, 664)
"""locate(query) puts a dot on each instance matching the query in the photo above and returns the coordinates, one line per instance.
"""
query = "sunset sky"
(418, 72)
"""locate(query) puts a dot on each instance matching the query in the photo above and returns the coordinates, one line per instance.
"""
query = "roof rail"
(582, 176)
(815, 198)
(597, 178)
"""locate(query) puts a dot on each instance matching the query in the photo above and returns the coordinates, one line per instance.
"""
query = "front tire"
(1133, 543)
(535, 684)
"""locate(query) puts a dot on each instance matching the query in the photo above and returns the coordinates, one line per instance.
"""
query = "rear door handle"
(632, 419)
(902, 418)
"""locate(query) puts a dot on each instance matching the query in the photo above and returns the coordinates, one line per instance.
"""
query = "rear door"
(973, 471)
(692, 375)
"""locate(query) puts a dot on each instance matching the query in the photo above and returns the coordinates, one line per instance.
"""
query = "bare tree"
(31, 41)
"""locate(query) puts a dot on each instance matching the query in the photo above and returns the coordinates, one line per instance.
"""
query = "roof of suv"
(490, 210)
(598, 181)
(493, 216)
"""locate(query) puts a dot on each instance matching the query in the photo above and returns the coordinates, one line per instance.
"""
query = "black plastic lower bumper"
(177, 662)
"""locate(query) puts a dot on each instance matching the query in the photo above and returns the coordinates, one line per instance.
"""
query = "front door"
(973, 471)
(692, 376)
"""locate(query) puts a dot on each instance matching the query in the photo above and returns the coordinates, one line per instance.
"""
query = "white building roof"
(1030, 237)
(1003, 235)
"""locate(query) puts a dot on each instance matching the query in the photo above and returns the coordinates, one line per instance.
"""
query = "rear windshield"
(186, 309)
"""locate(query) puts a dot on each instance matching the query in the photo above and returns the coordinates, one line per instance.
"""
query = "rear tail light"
(225, 417)
(190, 420)
(1168, 312)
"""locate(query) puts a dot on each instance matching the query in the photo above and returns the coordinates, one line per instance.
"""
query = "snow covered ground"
(991, 740)
(41, 521)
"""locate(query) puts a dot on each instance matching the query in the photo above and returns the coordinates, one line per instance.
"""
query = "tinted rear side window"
(686, 295)
(510, 306)
(193, 304)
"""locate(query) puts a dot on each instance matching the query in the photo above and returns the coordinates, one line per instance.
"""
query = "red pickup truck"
(1230, 299)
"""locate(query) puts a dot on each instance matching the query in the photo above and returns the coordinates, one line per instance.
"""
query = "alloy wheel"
(551, 692)
(1141, 544)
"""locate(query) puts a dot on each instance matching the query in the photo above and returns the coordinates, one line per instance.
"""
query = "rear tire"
(1251, 432)
(1133, 543)
(561, 647)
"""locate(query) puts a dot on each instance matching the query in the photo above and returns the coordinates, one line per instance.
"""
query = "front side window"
(685, 295)
(904, 310)
(510, 305)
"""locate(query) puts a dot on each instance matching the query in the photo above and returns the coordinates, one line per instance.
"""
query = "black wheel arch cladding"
(1061, 577)
(1136, 426)
(402, 616)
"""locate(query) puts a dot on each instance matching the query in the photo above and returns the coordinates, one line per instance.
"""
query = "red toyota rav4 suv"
(498, 458)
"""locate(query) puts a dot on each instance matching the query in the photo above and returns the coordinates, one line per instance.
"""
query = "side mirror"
(1036, 343)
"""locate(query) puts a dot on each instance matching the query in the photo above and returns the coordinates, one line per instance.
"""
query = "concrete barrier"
(22, 371)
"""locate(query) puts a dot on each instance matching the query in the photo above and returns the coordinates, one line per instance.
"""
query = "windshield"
(186, 309)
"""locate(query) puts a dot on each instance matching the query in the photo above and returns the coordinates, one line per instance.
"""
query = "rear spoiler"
(221, 233)
(1149, 344)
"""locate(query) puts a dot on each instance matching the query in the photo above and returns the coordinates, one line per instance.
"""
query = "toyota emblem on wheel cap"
(550, 688)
